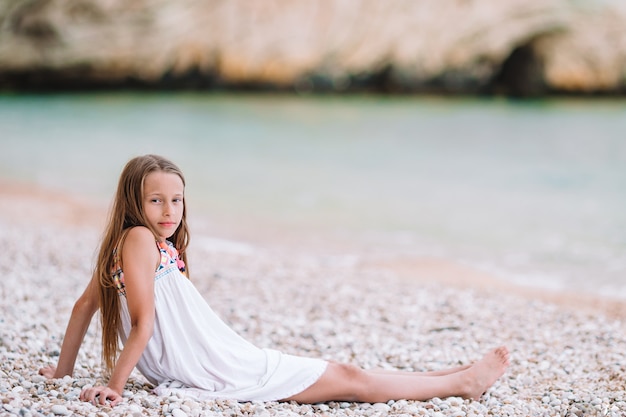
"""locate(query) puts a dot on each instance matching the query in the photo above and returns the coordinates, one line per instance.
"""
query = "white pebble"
(455, 401)
(381, 407)
(38, 379)
(60, 410)
(177, 412)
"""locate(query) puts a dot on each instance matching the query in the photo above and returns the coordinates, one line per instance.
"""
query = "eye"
(155, 200)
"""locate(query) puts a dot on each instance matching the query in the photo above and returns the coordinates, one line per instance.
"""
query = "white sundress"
(194, 353)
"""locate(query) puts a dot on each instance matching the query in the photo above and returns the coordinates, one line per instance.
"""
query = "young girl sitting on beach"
(179, 344)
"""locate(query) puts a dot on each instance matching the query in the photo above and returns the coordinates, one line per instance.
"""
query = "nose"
(168, 208)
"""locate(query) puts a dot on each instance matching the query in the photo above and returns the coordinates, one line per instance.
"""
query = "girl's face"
(163, 202)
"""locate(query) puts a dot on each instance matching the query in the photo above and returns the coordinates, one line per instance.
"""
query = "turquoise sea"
(534, 191)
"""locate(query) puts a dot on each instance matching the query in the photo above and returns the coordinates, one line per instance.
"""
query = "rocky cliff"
(521, 47)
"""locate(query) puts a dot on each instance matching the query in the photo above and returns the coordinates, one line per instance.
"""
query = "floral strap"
(169, 249)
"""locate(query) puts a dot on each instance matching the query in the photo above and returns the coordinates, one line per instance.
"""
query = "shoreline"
(23, 202)
(449, 273)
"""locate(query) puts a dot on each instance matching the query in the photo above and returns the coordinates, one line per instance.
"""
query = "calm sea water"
(535, 191)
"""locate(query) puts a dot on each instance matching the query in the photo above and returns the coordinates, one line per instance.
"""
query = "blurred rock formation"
(516, 47)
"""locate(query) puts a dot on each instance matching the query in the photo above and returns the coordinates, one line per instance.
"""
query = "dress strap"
(169, 256)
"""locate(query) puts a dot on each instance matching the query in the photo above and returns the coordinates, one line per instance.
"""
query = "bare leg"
(343, 382)
(427, 373)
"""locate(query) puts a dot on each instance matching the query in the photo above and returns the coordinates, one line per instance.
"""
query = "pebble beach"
(567, 358)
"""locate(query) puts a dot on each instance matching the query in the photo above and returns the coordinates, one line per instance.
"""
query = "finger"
(47, 371)
(115, 401)
(83, 394)
(106, 394)
(88, 394)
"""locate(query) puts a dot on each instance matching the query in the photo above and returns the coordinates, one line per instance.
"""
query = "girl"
(178, 343)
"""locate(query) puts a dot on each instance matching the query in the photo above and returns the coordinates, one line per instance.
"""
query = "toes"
(503, 352)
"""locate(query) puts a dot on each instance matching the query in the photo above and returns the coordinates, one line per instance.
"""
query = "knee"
(355, 378)
(349, 371)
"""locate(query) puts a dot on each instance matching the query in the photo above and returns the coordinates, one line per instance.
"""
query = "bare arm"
(140, 257)
(82, 313)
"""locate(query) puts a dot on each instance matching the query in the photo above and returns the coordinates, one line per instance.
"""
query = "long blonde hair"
(127, 212)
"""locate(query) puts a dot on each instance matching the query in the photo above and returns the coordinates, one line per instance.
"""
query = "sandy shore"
(567, 350)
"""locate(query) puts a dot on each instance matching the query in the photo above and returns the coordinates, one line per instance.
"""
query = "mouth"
(167, 224)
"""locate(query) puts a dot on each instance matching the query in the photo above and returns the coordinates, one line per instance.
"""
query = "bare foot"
(486, 371)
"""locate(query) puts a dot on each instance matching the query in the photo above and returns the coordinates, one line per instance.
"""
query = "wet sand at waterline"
(567, 350)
